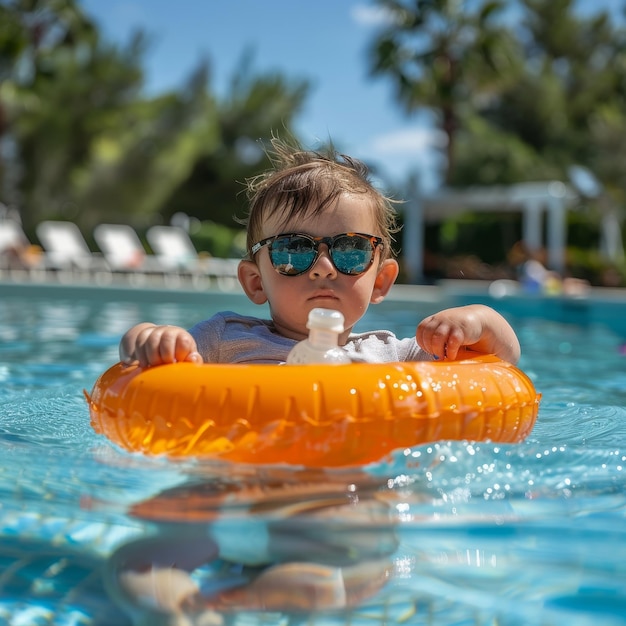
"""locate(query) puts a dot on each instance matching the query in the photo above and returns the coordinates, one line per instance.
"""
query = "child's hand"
(476, 327)
(150, 344)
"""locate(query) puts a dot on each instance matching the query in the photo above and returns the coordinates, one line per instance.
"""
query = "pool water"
(447, 533)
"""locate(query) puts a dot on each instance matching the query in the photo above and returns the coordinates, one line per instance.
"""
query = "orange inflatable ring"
(312, 415)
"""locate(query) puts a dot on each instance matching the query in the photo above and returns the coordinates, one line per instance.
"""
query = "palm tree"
(444, 57)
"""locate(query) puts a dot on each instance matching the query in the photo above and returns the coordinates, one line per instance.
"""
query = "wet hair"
(302, 182)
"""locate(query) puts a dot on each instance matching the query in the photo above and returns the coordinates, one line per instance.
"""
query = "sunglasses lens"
(292, 255)
(352, 254)
(295, 254)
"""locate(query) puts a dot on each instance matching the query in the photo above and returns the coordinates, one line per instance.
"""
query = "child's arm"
(150, 344)
(475, 326)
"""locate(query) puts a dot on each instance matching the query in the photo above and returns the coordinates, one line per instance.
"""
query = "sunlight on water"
(445, 533)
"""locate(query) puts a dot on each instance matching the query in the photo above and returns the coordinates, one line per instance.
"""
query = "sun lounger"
(175, 250)
(124, 252)
(68, 254)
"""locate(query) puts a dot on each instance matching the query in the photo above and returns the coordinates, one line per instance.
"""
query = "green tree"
(136, 165)
(254, 107)
(528, 91)
(87, 145)
(60, 87)
(567, 108)
(444, 57)
(571, 68)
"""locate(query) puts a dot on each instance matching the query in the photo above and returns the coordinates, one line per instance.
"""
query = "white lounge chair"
(175, 250)
(67, 252)
(124, 252)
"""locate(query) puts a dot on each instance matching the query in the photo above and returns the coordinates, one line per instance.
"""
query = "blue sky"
(324, 41)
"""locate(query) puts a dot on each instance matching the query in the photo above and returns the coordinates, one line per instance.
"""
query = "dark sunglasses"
(292, 254)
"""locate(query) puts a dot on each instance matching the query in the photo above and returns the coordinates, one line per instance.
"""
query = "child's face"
(292, 297)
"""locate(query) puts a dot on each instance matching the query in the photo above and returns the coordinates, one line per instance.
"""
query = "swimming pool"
(448, 533)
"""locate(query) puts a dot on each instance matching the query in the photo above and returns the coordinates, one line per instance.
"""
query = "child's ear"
(250, 279)
(386, 277)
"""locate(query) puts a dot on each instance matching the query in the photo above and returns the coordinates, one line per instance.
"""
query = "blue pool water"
(446, 533)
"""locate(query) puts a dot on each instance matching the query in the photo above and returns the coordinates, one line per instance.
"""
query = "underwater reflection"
(285, 541)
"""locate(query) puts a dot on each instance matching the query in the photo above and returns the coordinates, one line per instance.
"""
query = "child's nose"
(323, 265)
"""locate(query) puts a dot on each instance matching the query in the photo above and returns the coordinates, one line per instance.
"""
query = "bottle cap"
(328, 319)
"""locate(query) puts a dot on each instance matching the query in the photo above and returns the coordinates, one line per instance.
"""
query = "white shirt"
(228, 337)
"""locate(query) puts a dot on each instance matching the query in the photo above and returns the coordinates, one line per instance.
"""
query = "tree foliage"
(524, 90)
(81, 141)
(253, 108)
(443, 57)
(61, 89)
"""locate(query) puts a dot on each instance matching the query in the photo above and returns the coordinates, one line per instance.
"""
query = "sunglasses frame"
(374, 241)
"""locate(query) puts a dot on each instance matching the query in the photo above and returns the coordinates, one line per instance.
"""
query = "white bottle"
(322, 345)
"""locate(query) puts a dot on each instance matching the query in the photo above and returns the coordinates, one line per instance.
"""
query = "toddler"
(319, 234)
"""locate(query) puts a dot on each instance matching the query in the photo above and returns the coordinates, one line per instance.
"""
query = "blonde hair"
(302, 182)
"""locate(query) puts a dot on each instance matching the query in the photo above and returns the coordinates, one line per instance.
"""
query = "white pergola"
(554, 198)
